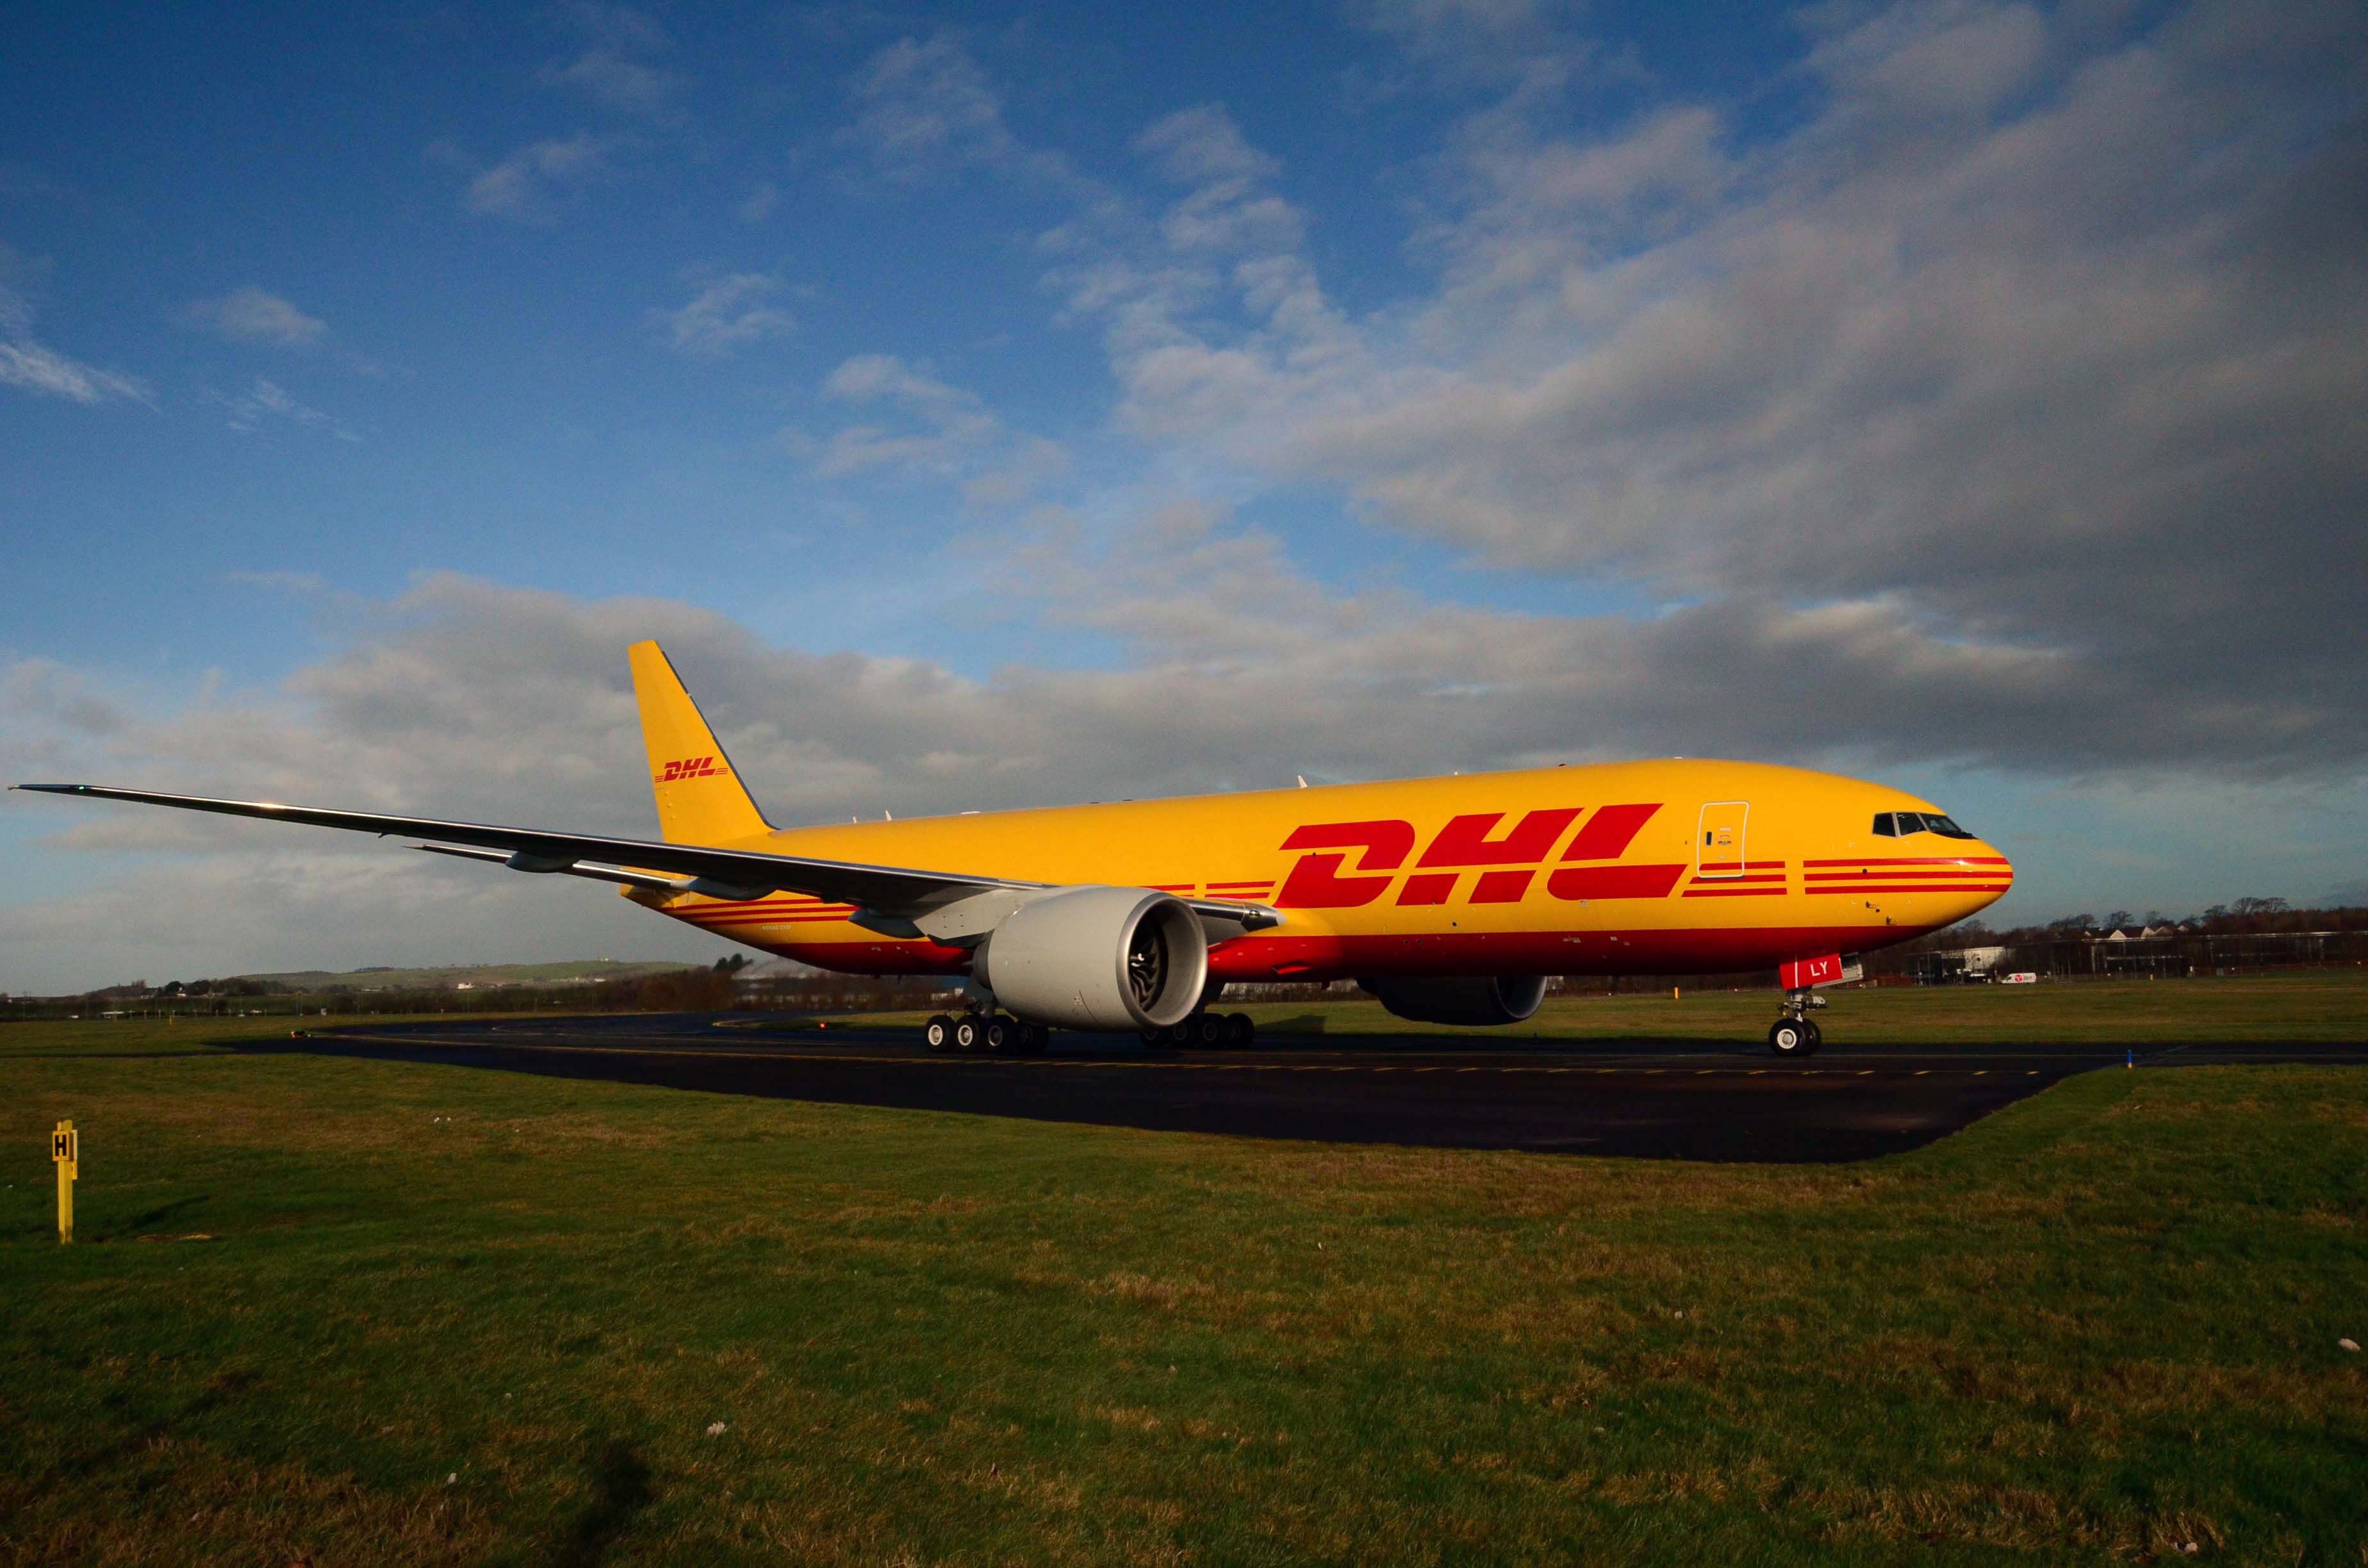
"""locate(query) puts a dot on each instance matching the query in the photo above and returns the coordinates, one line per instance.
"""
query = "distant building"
(1957, 966)
(773, 974)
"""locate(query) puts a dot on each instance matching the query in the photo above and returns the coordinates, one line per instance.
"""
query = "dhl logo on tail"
(693, 768)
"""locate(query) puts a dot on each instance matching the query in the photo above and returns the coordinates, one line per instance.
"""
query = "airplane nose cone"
(1989, 875)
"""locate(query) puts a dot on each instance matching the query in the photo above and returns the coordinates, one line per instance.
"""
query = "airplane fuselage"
(1641, 867)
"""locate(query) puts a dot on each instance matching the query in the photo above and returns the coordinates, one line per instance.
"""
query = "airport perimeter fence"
(2160, 957)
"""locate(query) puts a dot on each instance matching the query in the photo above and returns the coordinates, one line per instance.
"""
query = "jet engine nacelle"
(1461, 999)
(1098, 958)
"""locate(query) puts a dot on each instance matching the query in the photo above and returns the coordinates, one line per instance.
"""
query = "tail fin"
(701, 799)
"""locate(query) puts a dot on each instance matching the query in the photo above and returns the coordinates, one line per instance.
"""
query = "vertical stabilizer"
(701, 799)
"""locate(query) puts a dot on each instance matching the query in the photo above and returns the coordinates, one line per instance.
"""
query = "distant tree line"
(2239, 917)
(717, 989)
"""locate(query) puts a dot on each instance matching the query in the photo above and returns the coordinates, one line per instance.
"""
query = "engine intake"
(1461, 999)
(1098, 958)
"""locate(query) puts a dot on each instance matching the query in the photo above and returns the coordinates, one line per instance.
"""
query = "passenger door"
(1718, 844)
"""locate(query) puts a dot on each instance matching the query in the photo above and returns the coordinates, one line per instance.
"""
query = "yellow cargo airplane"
(1450, 900)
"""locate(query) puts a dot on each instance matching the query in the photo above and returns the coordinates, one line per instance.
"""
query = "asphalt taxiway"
(1681, 1099)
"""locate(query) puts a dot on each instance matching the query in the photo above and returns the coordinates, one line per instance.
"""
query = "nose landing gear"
(1795, 1034)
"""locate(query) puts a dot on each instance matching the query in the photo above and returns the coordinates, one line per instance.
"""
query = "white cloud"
(1029, 464)
(527, 186)
(1203, 146)
(2034, 338)
(56, 698)
(944, 424)
(926, 110)
(1226, 210)
(1202, 304)
(37, 368)
(265, 401)
(1531, 45)
(724, 313)
(921, 426)
(616, 81)
(34, 367)
(615, 69)
(252, 315)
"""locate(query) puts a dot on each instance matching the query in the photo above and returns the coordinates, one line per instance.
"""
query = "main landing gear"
(999, 1034)
(985, 1034)
(1203, 1032)
(1795, 1034)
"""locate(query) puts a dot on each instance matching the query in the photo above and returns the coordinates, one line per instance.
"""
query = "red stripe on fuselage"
(1917, 860)
(1847, 890)
(1710, 950)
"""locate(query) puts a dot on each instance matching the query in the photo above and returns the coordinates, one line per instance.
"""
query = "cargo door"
(1718, 845)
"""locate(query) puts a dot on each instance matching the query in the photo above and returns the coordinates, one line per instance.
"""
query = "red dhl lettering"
(1318, 881)
(1464, 841)
(690, 767)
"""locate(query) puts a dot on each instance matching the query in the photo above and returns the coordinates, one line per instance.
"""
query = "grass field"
(348, 1311)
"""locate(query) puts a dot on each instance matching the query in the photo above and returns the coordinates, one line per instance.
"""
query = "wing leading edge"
(896, 891)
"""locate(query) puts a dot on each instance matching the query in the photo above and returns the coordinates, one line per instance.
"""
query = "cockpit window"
(1899, 824)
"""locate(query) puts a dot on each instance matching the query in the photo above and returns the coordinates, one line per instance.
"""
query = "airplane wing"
(894, 891)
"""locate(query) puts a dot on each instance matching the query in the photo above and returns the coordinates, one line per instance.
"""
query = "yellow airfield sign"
(65, 1150)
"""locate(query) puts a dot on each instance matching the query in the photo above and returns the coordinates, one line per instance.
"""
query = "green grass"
(2097, 1326)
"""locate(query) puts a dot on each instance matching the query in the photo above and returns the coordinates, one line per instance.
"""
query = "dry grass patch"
(177, 1500)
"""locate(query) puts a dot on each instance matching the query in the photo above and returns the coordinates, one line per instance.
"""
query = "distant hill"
(481, 975)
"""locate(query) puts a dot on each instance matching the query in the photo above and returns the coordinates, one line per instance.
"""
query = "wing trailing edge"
(898, 892)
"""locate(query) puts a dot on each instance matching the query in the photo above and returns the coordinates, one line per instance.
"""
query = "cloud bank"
(2012, 392)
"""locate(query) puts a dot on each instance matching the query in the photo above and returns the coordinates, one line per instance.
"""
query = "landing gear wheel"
(1817, 1038)
(970, 1034)
(1033, 1038)
(1003, 1036)
(1208, 1031)
(1178, 1034)
(937, 1034)
(1239, 1031)
(1791, 1037)
(1154, 1040)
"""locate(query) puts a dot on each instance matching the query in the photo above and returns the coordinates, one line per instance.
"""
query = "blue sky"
(1014, 404)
